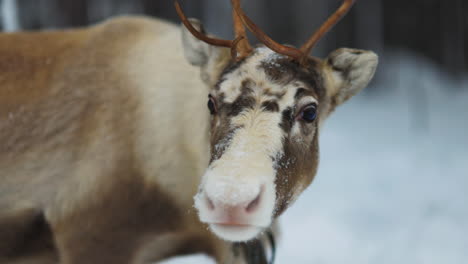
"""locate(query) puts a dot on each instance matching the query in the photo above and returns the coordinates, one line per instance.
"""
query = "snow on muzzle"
(237, 193)
(237, 197)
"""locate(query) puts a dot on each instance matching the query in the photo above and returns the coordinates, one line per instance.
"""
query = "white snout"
(237, 194)
(235, 209)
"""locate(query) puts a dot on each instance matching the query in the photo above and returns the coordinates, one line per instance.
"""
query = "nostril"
(254, 204)
(209, 203)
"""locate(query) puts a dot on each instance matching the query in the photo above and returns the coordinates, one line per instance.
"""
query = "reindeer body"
(104, 136)
(106, 139)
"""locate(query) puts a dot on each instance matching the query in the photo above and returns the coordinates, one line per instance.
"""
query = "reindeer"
(106, 138)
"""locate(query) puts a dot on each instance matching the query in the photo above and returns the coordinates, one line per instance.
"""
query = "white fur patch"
(245, 168)
(249, 69)
(236, 233)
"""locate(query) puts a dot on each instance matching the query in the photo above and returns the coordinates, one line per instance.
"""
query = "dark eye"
(309, 113)
(211, 105)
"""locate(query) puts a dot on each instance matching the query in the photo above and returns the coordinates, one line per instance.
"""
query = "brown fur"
(67, 127)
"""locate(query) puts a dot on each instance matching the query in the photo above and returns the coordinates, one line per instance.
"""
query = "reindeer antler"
(302, 53)
(244, 46)
(264, 38)
(239, 46)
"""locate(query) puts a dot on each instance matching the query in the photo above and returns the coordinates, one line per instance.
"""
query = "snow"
(9, 15)
(392, 185)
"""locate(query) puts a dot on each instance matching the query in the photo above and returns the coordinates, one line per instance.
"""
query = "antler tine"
(199, 35)
(262, 37)
(243, 45)
(331, 21)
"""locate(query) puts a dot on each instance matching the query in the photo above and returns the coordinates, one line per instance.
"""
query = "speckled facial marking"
(259, 99)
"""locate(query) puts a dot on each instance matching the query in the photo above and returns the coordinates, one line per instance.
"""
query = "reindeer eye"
(212, 104)
(309, 113)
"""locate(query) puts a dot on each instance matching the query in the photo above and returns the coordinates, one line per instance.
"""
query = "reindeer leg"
(115, 226)
(84, 239)
(25, 237)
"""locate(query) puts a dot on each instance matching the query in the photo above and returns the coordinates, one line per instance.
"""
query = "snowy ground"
(393, 180)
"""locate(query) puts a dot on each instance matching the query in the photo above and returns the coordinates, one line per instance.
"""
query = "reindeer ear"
(196, 52)
(211, 59)
(350, 70)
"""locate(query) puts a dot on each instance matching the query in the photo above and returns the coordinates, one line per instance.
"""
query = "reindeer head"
(266, 105)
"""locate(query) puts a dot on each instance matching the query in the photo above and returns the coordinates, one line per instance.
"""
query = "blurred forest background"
(393, 179)
(433, 28)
